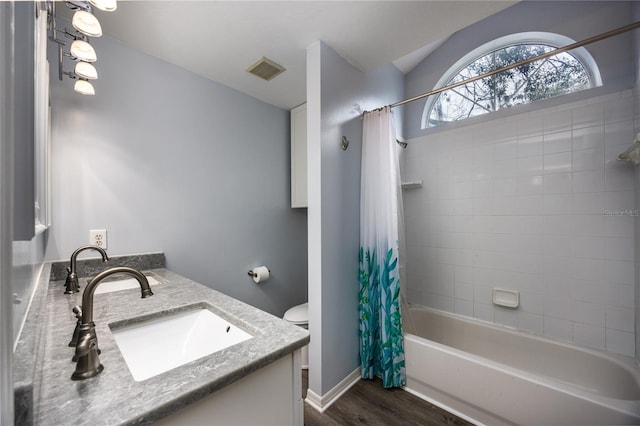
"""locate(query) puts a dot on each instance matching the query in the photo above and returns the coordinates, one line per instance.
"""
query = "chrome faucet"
(88, 364)
(71, 283)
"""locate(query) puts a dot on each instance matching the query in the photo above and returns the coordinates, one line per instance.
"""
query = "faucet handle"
(78, 311)
(74, 339)
(66, 283)
(71, 283)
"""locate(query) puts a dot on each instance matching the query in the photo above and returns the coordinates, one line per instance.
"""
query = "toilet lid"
(298, 314)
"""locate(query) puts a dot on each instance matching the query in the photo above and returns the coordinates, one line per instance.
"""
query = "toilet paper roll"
(260, 274)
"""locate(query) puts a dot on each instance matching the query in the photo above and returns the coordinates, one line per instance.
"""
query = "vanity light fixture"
(86, 23)
(86, 70)
(83, 51)
(80, 51)
(84, 87)
(106, 5)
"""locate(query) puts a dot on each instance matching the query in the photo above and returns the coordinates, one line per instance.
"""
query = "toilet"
(299, 315)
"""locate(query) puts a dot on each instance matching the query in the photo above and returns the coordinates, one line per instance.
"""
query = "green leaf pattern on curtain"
(381, 344)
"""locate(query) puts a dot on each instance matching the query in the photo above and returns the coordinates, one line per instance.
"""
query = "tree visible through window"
(556, 75)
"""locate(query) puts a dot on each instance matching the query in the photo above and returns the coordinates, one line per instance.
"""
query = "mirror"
(42, 126)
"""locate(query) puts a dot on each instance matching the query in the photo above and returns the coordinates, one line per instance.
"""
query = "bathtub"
(492, 375)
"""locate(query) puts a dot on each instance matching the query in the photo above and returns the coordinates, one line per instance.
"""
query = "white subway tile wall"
(537, 203)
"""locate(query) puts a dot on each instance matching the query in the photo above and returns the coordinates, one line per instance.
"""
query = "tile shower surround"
(535, 202)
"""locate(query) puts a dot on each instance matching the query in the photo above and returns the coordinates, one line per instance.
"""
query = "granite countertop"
(114, 397)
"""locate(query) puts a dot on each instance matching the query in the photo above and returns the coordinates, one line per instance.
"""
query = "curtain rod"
(568, 47)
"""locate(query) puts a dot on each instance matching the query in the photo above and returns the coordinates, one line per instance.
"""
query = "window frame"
(581, 54)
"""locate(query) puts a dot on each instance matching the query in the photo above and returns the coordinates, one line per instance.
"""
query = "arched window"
(559, 74)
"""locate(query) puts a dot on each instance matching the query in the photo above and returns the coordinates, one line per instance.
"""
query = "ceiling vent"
(266, 69)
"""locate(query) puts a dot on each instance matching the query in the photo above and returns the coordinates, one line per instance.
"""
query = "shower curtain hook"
(345, 143)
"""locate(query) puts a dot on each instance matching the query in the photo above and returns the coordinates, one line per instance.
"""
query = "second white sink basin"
(159, 345)
(122, 284)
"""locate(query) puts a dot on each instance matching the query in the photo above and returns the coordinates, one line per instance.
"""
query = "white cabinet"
(299, 156)
(271, 396)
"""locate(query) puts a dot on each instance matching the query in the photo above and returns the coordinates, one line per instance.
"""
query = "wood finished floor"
(368, 403)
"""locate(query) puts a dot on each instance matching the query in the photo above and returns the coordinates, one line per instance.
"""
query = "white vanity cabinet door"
(271, 396)
(299, 156)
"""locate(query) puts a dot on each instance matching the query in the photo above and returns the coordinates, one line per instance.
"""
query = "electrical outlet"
(98, 237)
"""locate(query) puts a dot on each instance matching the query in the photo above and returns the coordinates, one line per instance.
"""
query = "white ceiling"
(220, 39)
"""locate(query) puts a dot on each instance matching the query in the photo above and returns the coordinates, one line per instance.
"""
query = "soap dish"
(505, 297)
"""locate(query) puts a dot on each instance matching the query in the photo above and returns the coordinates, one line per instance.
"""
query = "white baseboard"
(321, 403)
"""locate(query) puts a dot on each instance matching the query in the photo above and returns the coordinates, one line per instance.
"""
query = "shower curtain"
(381, 345)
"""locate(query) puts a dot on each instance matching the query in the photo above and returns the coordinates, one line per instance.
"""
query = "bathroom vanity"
(255, 380)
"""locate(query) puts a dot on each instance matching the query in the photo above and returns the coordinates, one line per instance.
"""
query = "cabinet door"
(299, 156)
(250, 400)
(24, 119)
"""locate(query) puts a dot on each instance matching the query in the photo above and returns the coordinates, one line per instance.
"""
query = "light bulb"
(84, 87)
(106, 5)
(86, 23)
(86, 70)
(82, 50)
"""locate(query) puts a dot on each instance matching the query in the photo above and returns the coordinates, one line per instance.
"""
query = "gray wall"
(575, 19)
(166, 160)
(336, 95)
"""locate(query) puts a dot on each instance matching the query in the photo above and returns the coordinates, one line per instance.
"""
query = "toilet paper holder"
(253, 274)
(259, 274)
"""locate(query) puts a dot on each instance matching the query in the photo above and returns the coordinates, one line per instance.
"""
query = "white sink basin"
(123, 284)
(156, 346)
